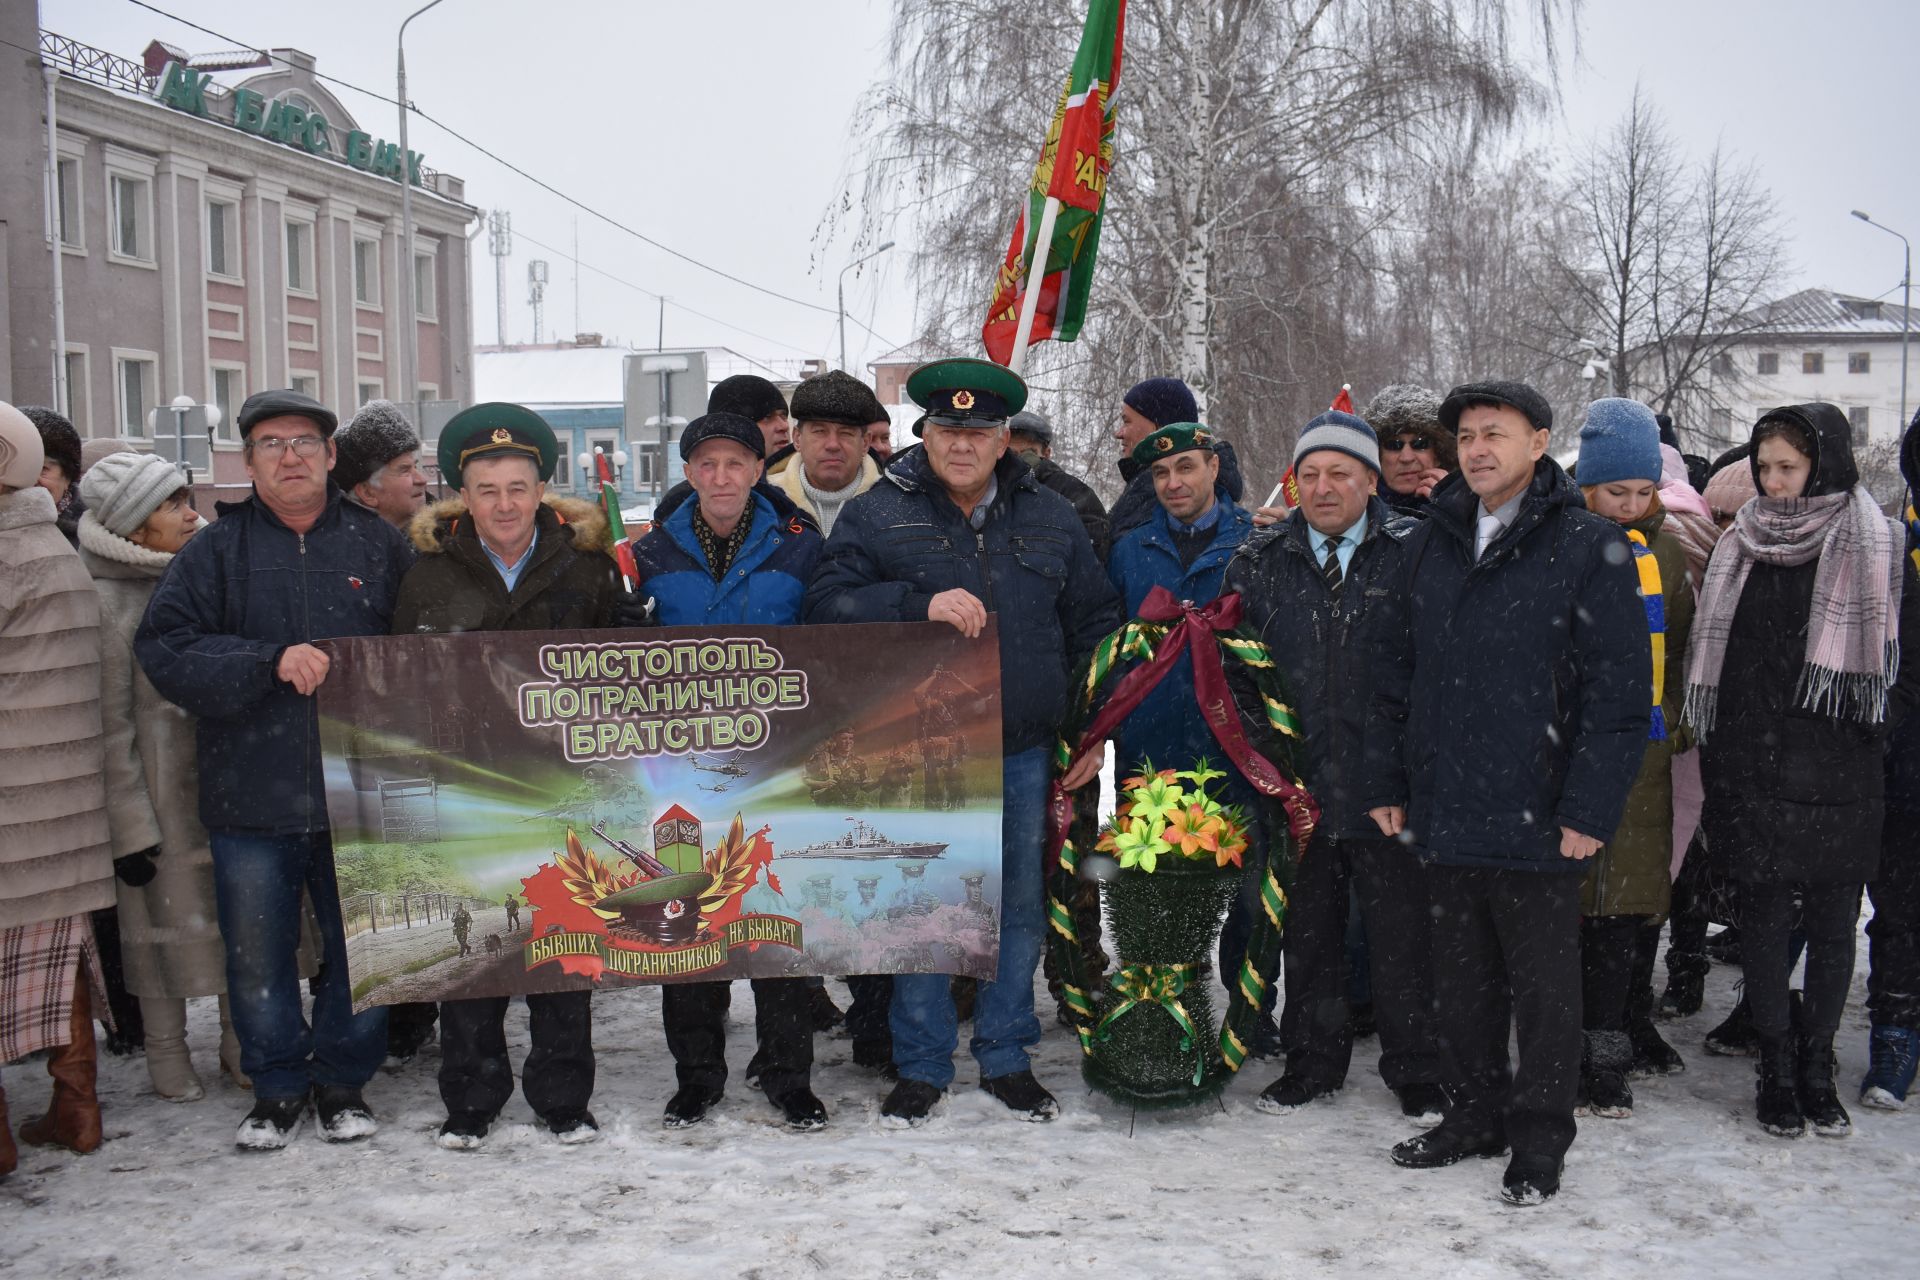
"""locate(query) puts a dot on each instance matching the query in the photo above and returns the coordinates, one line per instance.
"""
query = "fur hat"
(21, 453)
(378, 434)
(835, 397)
(58, 438)
(1408, 409)
(747, 394)
(123, 489)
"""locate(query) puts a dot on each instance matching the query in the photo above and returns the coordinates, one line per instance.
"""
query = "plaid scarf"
(1853, 630)
(718, 550)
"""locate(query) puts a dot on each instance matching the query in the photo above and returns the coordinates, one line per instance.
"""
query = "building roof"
(555, 374)
(1825, 312)
(916, 353)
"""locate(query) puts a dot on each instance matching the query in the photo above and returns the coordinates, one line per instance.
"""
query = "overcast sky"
(722, 129)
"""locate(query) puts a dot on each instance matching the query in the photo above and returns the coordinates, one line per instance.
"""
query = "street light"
(841, 289)
(410, 348)
(1906, 309)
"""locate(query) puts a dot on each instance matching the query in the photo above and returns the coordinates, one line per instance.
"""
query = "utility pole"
(840, 289)
(500, 244)
(1906, 313)
(409, 354)
(536, 292)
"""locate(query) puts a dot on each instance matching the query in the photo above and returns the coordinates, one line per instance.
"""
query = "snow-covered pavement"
(1688, 1187)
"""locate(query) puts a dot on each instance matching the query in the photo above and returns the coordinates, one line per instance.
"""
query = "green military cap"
(1175, 437)
(496, 430)
(964, 392)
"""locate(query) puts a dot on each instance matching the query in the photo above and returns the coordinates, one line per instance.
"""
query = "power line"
(504, 163)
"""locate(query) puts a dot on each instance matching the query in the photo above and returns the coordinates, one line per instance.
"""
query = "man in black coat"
(1030, 435)
(1314, 588)
(1513, 687)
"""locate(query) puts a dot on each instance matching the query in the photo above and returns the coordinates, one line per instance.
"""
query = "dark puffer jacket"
(903, 542)
(240, 593)
(570, 582)
(1085, 502)
(1511, 695)
(1323, 653)
(1793, 795)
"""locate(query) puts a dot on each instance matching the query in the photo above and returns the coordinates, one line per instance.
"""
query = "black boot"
(1735, 1038)
(1652, 1055)
(1819, 1100)
(1776, 1101)
(1686, 985)
(1604, 1061)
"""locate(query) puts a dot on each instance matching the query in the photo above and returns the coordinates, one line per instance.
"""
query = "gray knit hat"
(123, 489)
(378, 434)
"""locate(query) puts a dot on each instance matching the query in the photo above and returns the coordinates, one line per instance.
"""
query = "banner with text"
(551, 811)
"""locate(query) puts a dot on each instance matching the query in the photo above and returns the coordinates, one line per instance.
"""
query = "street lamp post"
(1906, 307)
(410, 348)
(840, 288)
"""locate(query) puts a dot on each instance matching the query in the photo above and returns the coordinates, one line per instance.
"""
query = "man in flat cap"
(503, 556)
(229, 636)
(829, 465)
(1030, 434)
(956, 528)
(1509, 722)
(378, 463)
(741, 553)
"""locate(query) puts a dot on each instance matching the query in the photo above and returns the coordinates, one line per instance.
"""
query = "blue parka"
(1031, 563)
(1167, 726)
(241, 592)
(764, 585)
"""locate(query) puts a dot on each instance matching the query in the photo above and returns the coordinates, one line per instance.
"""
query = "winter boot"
(1604, 1062)
(169, 1065)
(1724, 946)
(1893, 1053)
(73, 1117)
(230, 1049)
(1819, 1100)
(822, 1011)
(1652, 1055)
(343, 1114)
(1686, 984)
(272, 1123)
(1021, 1094)
(1776, 1101)
(1735, 1038)
(9, 1154)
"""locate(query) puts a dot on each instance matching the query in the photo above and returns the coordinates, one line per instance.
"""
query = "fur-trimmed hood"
(434, 524)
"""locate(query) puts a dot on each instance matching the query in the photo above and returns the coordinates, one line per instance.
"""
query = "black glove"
(136, 869)
(631, 609)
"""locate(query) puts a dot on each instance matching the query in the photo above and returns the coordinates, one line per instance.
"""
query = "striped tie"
(1330, 568)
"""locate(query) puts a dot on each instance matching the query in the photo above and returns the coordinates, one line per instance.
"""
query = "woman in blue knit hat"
(1628, 886)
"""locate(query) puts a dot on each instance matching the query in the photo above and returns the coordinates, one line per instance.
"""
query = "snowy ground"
(1688, 1187)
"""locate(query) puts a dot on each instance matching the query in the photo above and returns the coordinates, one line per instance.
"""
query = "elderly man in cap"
(504, 557)
(740, 553)
(829, 465)
(229, 637)
(1312, 587)
(1146, 408)
(957, 529)
(1509, 721)
(378, 463)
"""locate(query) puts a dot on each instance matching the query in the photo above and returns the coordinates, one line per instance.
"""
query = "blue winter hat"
(1620, 440)
(1162, 401)
(1342, 432)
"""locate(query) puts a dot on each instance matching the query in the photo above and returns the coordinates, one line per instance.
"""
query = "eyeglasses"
(272, 446)
(1416, 443)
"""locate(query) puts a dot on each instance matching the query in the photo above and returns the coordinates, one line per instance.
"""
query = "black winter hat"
(57, 435)
(747, 394)
(1514, 395)
(736, 427)
(835, 397)
(262, 405)
(378, 434)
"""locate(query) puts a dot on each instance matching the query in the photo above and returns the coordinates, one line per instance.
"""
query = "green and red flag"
(616, 527)
(1073, 167)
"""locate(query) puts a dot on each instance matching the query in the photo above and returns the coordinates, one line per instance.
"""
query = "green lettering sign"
(184, 89)
(359, 149)
(249, 111)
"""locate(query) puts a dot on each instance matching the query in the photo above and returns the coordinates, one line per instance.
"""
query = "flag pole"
(1036, 275)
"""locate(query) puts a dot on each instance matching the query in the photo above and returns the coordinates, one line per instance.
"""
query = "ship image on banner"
(543, 811)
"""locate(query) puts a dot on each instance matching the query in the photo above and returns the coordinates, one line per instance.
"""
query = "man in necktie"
(1509, 719)
(1311, 586)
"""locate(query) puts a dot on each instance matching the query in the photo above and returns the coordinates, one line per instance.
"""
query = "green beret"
(1177, 437)
(496, 430)
(964, 392)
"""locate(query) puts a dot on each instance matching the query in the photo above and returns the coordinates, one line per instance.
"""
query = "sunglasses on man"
(1416, 443)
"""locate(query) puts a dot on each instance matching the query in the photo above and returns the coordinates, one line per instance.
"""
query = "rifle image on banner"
(616, 527)
(1289, 488)
(649, 865)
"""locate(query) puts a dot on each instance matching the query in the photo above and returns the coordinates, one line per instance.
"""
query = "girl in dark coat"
(1795, 669)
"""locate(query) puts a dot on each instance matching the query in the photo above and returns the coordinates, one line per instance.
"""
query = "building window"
(1857, 419)
(134, 380)
(1860, 362)
(72, 225)
(366, 272)
(223, 239)
(1769, 362)
(647, 470)
(1813, 362)
(1723, 365)
(300, 257)
(368, 391)
(1722, 420)
(132, 218)
(77, 398)
(425, 305)
(229, 383)
(307, 384)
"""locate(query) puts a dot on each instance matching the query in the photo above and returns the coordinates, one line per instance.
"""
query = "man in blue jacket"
(958, 529)
(739, 553)
(1148, 406)
(229, 636)
(1510, 715)
(1313, 586)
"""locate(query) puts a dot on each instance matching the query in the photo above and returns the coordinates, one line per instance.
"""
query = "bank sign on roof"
(185, 89)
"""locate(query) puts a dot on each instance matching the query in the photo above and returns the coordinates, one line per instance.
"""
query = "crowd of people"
(1548, 715)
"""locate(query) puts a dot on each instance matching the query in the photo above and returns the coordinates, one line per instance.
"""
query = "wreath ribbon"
(1162, 985)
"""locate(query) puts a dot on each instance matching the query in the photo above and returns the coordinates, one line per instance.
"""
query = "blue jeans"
(258, 880)
(925, 1030)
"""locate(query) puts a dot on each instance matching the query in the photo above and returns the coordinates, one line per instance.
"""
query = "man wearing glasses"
(1415, 454)
(229, 637)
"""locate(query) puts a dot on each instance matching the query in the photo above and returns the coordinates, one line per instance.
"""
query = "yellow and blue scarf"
(1650, 593)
